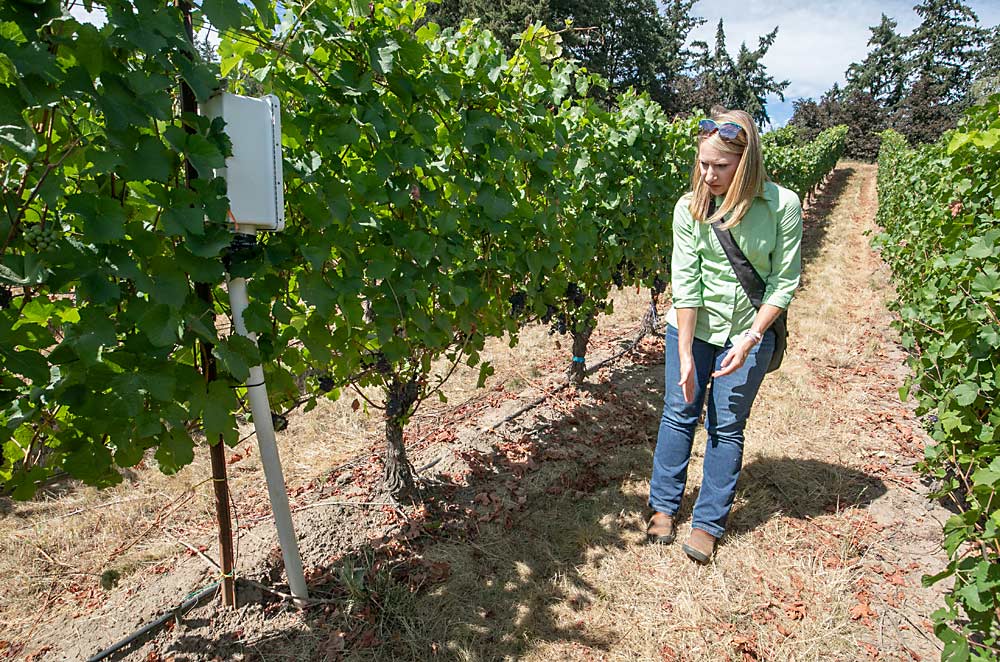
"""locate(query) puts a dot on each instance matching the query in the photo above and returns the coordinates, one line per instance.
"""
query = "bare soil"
(529, 543)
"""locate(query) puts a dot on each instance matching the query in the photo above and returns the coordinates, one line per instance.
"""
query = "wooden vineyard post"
(217, 450)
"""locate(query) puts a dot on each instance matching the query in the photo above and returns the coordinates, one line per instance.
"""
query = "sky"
(817, 39)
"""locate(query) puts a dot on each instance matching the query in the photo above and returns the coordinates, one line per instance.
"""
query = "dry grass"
(575, 580)
(55, 548)
(563, 573)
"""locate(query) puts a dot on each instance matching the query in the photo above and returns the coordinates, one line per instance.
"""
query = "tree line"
(637, 43)
(918, 83)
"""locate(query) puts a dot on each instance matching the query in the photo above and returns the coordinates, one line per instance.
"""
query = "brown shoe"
(660, 529)
(699, 546)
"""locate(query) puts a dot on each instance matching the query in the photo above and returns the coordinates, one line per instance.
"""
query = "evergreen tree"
(628, 46)
(640, 44)
(922, 81)
(882, 74)
(945, 49)
(942, 58)
(676, 59)
(628, 42)
(720, 68)
(634, 43)
(504, 19)
(753, 83)
(446, 13)
(741, 83)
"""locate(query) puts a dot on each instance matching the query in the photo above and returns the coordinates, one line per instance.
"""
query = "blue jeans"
(728, 409)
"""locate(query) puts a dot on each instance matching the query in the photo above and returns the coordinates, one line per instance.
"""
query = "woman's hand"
(735, 357)
(687, 378)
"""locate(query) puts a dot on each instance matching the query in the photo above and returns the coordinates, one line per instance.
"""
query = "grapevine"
(439, 192)
(938, 206)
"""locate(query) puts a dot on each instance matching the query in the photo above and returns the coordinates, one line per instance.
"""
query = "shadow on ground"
(497, 563)
(814, 227)
(500, 566)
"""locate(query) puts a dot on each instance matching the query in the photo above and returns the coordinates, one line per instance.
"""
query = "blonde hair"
(748, 180)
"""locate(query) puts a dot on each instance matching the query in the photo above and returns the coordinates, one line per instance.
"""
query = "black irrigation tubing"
(590, 370)
(528, 407)
(151, 627)
(193, 600)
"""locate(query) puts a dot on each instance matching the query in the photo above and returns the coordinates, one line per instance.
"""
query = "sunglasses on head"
(727, 130)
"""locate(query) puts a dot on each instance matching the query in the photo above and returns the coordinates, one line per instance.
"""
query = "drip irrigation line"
(200, 595)
(591, 370)
(152, 626)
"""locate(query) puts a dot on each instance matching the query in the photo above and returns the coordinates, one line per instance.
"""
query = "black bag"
(754, 286)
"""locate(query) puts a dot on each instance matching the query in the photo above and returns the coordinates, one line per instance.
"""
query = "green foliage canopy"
(938, 205)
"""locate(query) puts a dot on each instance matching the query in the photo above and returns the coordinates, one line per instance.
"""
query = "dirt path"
(530, 544)
(828, 539)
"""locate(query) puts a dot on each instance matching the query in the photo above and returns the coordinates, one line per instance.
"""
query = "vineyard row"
(940, 208)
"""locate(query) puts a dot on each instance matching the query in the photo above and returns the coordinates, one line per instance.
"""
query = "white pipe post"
(260, 407)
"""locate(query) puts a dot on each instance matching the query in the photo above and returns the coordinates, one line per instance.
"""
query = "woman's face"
(717, 167)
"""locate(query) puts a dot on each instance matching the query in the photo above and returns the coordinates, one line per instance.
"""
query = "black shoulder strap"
(751, 281)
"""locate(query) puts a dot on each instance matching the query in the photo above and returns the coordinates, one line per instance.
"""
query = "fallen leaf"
(872, 651)
(862, 610)
(796, 610)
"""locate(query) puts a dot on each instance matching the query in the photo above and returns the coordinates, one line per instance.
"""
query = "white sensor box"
(253, 173)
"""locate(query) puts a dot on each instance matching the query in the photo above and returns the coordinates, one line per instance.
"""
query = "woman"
(714, 333)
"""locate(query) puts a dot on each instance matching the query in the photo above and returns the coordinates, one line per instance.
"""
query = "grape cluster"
(625, 269)
(559, 326)
(517, 302)
(557, 321)
(575, 295)
(6, 296)
(659, 285)
(41, 238)
(326, 383)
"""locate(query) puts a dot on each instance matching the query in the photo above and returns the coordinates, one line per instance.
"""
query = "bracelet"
(753, 335)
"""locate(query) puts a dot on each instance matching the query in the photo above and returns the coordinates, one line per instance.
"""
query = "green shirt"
(770, 235)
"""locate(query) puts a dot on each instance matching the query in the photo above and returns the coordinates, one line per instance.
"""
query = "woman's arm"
(742, 345)
(686, 290)
(786, 258)
(686, 320)
(765, 318)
